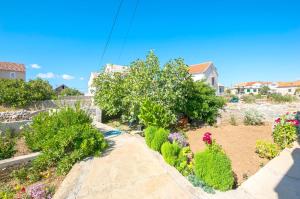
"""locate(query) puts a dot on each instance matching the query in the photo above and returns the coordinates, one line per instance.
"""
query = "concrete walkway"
(129, 169)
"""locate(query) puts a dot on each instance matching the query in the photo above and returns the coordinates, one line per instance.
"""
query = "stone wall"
(269, 111)
(17, 115)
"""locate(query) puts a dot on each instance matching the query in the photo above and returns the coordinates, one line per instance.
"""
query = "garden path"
(129, 169)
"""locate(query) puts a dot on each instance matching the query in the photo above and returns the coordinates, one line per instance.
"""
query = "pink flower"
(287, 113)
(207, 138)
(278, 120)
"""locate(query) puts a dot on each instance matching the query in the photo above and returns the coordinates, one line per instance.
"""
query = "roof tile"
(9, 66)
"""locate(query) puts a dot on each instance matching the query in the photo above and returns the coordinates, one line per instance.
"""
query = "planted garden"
(63, 137)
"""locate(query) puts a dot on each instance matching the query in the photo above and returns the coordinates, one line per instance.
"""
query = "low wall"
(269, 111)
(15, 126)
(8, 165)
(17, 115)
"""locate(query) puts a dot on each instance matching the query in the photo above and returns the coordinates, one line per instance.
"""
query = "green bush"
(267, 149)
(279, 98)
(248, 99)
(160, 137)
(253, 117)
(284, 134)
(185, 164)
(214, 168)
(155, 114)
(7, 145)
(64, 137)
(170, 152)
(149, 134)
(70, 92)
(18, 93)
(47, 124)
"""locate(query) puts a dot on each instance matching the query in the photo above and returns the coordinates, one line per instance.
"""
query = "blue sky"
(246, 39)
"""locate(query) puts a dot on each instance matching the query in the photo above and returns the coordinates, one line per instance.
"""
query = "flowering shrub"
(207, 138)
(267, 149)
(178, 138)
(213, 166)
(39, 191)
(285, 129)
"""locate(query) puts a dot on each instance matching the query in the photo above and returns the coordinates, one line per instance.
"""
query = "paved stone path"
(129, 169)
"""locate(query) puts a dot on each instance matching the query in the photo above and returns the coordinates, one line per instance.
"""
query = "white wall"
(286, 90)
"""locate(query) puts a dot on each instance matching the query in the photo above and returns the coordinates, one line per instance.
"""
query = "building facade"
(207, 72)
(9, 70)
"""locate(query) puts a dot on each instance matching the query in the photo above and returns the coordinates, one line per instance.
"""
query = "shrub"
(214, 168)
(47, 124)
(279, 98)
(267, 149)
(232, 120)
(149, 134)
(170, 152)
(248, 99)
(178, 138)
(155, 114)
(284, 134)
(253, 117)
(70, 92)
(199, 183)
(7, 145)
(64, 137)
(185, 164)
(160, 137)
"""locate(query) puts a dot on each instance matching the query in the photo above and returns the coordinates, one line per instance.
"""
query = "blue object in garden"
(112, 133)
(234, 100)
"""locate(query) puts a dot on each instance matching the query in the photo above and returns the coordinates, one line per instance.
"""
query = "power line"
(111, 31)
(128, 30)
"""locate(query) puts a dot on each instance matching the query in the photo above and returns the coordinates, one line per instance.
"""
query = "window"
(213, 81)
(12, 75)
(290, 90)
(248, 90)
(254, 90)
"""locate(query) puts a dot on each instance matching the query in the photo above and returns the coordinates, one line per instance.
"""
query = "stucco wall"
(6, 75)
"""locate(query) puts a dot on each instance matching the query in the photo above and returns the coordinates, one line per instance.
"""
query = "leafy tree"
(18, 93)
(70, 92)
(170, 88)
(265, 90)
(40, 90)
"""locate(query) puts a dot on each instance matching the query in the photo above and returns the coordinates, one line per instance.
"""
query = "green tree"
(70, 92)
(170, 88)
(265, 90)
(40, 90)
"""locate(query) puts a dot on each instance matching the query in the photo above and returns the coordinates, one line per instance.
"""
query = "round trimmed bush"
(160, 137)
(170, 152)
(149, 134)
(214, 168)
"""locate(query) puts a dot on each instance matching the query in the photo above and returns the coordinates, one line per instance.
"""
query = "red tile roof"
(9, 66)
(289, 84)
(199, 68)
(252, 83)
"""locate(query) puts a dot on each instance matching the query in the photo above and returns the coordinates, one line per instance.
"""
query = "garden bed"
(238, 143)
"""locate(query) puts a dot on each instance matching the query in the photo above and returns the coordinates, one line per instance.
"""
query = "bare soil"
(238, 143)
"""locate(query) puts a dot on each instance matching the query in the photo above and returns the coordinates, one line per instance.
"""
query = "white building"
(288, 88)
(284, 88)
(205, 71)
(109, 68)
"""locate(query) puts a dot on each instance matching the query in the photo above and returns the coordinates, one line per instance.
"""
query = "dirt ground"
(238, 143)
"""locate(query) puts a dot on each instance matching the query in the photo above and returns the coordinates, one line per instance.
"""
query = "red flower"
(23, 190)
(207, 138)
(278, 120)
